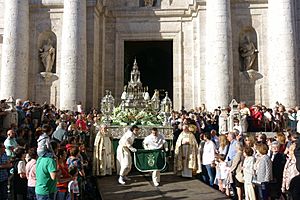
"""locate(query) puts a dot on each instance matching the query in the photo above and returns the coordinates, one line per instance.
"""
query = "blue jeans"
(31, 193)
(60, 195)
(3, 190)
(211, 174)
(45, 197)
(263, 191)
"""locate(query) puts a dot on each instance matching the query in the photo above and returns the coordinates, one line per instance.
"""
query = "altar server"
(124, 160)
(155, 141)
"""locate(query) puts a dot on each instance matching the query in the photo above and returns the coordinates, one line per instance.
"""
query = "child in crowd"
(73, 187)
(74, 160)
(221, 172)
(44, 148)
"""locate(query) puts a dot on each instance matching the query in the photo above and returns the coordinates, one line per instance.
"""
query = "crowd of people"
(50, 153)
(239, 162)
(46, 155)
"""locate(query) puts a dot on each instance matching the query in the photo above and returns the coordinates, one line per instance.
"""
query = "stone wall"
(110, 23)
(248, 17)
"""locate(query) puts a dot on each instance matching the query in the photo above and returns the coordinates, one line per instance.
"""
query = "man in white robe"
(124, 159)
(155, 141)
(103, 162)
(186, 149)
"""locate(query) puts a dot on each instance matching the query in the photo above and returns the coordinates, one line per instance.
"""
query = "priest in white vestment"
(186, 149)
(155, 141)
(103, 162)
(124, 159)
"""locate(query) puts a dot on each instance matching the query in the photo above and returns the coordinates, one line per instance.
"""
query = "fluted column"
(73, 55)
(15, 56)
(218, 54)
(281, 53)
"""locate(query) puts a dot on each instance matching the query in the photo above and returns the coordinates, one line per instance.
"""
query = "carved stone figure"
(47, 54)
(148, 3)
(248, 52)
(124, 94)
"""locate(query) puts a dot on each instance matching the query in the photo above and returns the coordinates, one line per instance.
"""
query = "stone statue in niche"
(148, 3)
(248, 52)
(47, 54)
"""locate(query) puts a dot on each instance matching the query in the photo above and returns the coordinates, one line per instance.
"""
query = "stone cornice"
(203, 2)
(58, 3)
(190, 11)
(249, 1)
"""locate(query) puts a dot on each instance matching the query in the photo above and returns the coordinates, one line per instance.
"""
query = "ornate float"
(137, 108)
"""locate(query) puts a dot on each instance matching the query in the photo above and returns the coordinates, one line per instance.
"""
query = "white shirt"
(208, 153)
(127, 139)
(154, 142)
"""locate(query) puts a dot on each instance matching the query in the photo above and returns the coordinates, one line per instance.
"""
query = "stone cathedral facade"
(70, 51)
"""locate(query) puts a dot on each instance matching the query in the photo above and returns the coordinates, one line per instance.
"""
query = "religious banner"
(149, 160)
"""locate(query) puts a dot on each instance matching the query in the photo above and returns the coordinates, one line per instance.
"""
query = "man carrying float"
(152, 142)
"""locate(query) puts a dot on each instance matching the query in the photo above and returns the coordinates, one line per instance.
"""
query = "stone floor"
(171, 187)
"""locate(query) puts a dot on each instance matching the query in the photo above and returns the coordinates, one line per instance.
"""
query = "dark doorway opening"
(155, 62)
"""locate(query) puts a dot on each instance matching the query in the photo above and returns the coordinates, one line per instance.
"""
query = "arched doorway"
(155, 61)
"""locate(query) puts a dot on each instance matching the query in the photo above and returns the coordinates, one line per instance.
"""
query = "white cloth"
(124, 160)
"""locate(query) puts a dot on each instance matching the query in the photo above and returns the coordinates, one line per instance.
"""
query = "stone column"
(15, 56)
(281, 53)
(218, 71)
(73, 55)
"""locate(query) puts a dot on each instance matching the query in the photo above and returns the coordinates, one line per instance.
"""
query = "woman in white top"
(223, 147)
(248, 171)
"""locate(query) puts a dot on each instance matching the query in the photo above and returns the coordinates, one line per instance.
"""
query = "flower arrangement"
(136, 117)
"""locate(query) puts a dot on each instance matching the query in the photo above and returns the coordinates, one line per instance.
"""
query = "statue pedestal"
(49, 76)
(45, 87)
(248, 85)
(10, 118)
(253, 75)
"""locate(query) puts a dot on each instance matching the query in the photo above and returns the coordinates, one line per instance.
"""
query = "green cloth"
(44, 184)
(149, 160)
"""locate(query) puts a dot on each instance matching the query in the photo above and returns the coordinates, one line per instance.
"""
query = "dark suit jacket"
(278, 167)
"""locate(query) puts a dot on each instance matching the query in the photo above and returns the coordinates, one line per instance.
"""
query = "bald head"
(11, 133)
